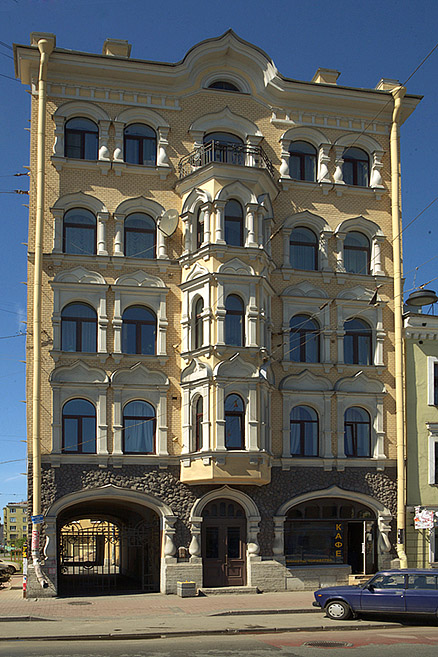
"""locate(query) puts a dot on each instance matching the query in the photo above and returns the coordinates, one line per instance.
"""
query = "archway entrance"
(224, 544)
(331, 531)
(108, 547)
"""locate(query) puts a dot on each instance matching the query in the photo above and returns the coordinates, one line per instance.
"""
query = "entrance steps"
(228, 590)
(358, 579)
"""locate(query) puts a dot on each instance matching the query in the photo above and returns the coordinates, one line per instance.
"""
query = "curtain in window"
(139, 428)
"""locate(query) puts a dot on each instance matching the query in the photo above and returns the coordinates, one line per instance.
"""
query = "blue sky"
(365, 40)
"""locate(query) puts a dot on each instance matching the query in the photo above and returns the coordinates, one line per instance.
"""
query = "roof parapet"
(387, 84)
(116, 48)
(326, 76)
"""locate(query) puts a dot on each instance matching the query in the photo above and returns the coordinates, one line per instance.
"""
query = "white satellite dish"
(168, 222)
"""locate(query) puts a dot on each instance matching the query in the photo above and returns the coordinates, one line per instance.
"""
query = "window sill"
(108, 460)
(289, 365)
(338, 464)
(286, 182)
(144, 170)
(136, 358)
(347, 277)
(57, 355)
(357, 190)
(371, 369)
(313, 274)
(60, 163)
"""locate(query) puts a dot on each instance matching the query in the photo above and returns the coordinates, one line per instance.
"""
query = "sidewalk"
(155, 615)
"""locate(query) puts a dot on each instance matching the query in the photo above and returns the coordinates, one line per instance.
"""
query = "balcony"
(241, 155)
(226, 468)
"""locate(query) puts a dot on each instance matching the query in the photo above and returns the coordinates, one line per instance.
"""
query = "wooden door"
(224, 545)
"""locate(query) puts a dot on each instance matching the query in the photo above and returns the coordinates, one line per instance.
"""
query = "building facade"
(218, 400)
(421, 340)
(15, 523)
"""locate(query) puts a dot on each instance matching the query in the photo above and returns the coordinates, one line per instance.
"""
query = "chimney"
(326, 76)
(116, 48)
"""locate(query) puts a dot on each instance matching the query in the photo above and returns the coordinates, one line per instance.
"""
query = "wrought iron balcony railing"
(242, 155)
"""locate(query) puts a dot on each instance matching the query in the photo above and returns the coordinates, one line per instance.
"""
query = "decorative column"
(206, 209)
(119, 235)
(379, 450)
(220, 315)
(162, 425)
(58, 146)
(102, 427)
(286, 246)
(186, 426)
(56, 420)
(104, 153)
(252, 419)
(162, 159)
(195, 543)
(253, 528)
(117, 425)
(340, 267)
(338, 176)
(252, 159)
(219, 207)
(278, 545)
(251, 223)
(118, 150)
(376, 176)
(161, 245)
(324, 163)
(376, 256)
(102, 325)
(205, 447)
(285, 157)
(58, 215)
(162, 327)
(326, 447)
(252, 318)
(340, 410)
(325, 235)
(117, 324)
(220, 419)
(169, 549)
(102, 218)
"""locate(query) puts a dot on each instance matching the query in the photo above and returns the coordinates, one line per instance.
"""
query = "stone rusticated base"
(34, 588)
(173, 572)
(310, 578)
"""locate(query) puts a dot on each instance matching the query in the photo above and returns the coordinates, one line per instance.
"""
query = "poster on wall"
(424, 518)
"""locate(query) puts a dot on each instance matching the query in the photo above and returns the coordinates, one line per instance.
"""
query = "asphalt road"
(402, 642)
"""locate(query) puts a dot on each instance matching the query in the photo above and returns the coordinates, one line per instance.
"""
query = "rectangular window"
(432, 381)
(435, 384)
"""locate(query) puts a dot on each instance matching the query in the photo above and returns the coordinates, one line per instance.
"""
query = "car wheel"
(338, 610)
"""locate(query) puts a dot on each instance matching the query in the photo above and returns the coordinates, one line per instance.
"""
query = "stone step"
(228, 590)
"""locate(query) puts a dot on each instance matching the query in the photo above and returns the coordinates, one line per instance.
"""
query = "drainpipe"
(45, 47)
(398, 93)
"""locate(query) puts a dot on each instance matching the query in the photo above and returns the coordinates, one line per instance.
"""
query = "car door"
(385, 593)
(421, 594)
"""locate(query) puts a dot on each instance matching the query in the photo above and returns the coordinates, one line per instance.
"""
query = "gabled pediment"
(79, 275)
(237, 368)
(358, 293)
(140, 279)
(236, 266)
(305, 382)
(304, 289)
(79, 372)
(197, 271)
(139, 376)
(360, 383)
(196, 371)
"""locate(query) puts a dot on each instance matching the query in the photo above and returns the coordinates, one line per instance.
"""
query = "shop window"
(357, 253)
(357, 432)
(78, 328)
(233, 223)
(139, 428)
(234, 321)
(81, 139)
(302, 161)
(356, 167)
(303, 249)
(234, 422)
(303, 431)
(139, 328)
(78, 427)
(140, 144)
(304, 339)
(79, 232)
(140, 236)
(357, 342)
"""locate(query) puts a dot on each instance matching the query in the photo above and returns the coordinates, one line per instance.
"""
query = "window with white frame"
(433, 452)
(196, 384)
(136, 233)
(141, 138)
(305, 238)
(359, 247)
(432, 381)
(305, 155)
(80, 225)
(358, 161)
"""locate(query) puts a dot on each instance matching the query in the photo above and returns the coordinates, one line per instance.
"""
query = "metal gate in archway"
(98, 556)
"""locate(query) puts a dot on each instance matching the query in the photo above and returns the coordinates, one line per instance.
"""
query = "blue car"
(409, 591)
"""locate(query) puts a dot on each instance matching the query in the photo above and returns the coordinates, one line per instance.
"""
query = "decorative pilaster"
(340, 267)
(278, 545)
(169, 549)
(376, 176)
(104, 153)
(102, 218)
(195, 543)
(119, 235)
(285, 157)
(162, 159)
(206, 209)
(58, 215)
(59, 145)
(118, 150)
(219, 207)
(251, 223)
(324, 163)
(338, 176)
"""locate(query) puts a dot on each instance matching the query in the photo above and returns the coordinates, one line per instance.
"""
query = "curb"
(168, 634)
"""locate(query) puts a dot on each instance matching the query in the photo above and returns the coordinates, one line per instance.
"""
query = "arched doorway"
(224, 544)
(108, 547)
(331, 531)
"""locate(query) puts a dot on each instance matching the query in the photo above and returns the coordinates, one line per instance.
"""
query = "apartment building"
(15, 523)
(217, 320)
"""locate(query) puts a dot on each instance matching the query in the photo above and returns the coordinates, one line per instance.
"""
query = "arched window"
(139, 330)
(304, 339)
(224, 147)
(302, 161)
(78, 328)
(199, 228)
(81, 139)
(140, 144)
(140, 236)
(198, 332)
(234, 422)
(357, 253)
(233, 223)
(356, 167)
(199, 414)
(303, 431)
(303, 249)
(223, 85)
(357, 432)
(138, 428)
(79, 232)
(357, 342)
(234, 321)
(79, 427)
